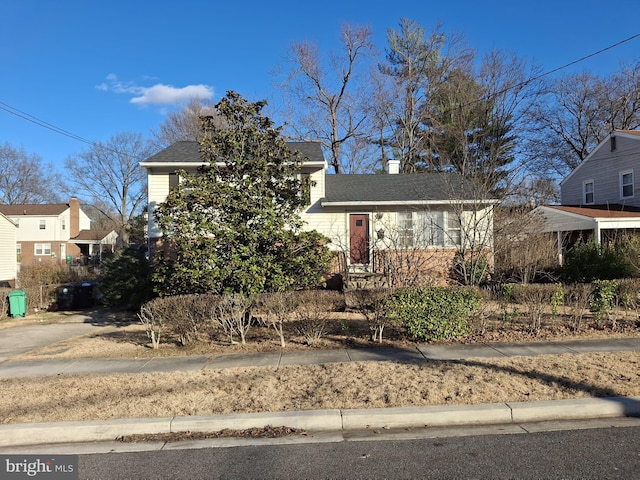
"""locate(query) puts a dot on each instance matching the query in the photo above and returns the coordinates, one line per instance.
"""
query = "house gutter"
(392, 203)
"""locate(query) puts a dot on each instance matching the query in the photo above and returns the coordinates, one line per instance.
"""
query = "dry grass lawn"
(340, 385)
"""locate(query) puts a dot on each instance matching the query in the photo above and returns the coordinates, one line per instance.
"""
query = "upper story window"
(174, 180)
(587, 192)
(43, 224)
(626, 184)
(64, 224)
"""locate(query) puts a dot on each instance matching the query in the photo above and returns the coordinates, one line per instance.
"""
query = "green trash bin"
(17, 303)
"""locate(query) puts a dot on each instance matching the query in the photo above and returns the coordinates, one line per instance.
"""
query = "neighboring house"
(403, 226)
(601, 196)
(59, 233)
(8, 261)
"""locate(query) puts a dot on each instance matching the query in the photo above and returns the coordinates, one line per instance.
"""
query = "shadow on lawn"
(631, 406)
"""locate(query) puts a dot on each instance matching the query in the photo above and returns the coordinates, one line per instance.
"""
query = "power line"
(30, 118)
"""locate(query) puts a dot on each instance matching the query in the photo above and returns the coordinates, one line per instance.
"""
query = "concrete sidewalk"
(23, 435)
(422, 353)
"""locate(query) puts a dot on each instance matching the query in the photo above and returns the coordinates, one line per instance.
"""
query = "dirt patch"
(264, 432)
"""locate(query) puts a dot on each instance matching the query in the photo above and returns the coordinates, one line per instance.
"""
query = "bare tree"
(184, 124)
(331, 101)
(25, 178)
(579, 112)
(108, 177)
(524, 252)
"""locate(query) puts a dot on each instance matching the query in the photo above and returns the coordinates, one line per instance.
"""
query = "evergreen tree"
(234, 226)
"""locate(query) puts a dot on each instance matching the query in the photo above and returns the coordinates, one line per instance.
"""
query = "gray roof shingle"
(188, 151)
(432, 186)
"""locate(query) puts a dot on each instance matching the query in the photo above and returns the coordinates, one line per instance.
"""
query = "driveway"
(14, 341)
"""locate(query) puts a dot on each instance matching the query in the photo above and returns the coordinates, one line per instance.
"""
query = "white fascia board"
(615, 223)
(359, 203)
(174, 165)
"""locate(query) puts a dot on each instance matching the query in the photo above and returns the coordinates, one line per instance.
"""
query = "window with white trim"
(454, 230)
(18, 249)
(428, 229)
(587, 192)
(626, 184)
(42, 249)
(64, 224)
(405, 229)
(431, 233)
(43, 224)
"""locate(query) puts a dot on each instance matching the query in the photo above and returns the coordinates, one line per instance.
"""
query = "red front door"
(359, 238)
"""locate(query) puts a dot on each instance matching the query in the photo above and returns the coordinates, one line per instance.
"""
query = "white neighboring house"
(601, 196)
(59, 233)
(366, 216)
(8, 261)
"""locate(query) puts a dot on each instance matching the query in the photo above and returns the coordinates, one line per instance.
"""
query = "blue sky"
(95, 69)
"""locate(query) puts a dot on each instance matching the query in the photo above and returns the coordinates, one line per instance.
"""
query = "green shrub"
(589, 261)
(125, 279)
(557, 298)
(603, 298)
(434, 313)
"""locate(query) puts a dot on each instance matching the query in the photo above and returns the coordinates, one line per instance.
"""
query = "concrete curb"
(325, 420)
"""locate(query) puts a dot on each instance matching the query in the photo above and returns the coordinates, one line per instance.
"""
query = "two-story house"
(601, 196)
(411, 224)
(59, 232)
(8, 263)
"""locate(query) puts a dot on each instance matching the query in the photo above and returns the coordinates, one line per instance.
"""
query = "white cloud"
(158, 94)
(161, 94)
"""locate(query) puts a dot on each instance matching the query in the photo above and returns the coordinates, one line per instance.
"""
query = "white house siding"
(331, 223)
(85, 221)
(477, 227)
(158, 189)
(29, 228)
(7, 249)
(603, 167)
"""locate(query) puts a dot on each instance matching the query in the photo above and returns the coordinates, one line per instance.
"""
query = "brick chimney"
(74, 220)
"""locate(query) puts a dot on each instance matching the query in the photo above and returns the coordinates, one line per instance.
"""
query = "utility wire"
(42, 123)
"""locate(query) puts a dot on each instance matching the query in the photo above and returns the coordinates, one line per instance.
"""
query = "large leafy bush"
(434, 313)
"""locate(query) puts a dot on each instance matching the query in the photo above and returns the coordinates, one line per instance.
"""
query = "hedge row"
(432, 313)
